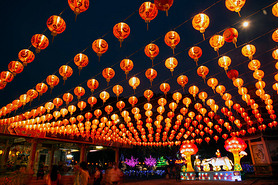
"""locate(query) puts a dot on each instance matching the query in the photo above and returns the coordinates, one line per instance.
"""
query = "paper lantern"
(6, 76)
(216, 42)
(148, 11)
(104, 96)
(41, 88)
(220, 89)
(187, 149)
(134, 82)
(195, 53)
(121, 31)
(132, 100)
(126, 65)
(177, 96)
(172, 39)
(232, 74)
(235, 5)
(67, 97)
(182, 81)
(65, 71)
(203, 96)
(92, 84)
(118, 89)
(151, 50)
(258, 74)
(57, 102)
(148, 94)
(231, 35)
(203, 71)
(163, 5)
(186, 101)
(56, 25)
(78, 6)
(26, 56)
(248, 51)
(32, 94)
(15, 67)
(40, 42)
(224, 62)
(71, 109)
(52, 81)
(171, 63)
(79, 91)
(100, 46)
(81, 60)
(193, 90)
(275, 10)
(151, 74)
(92, 101)
(254, 65)
(108, 74)
(164, 87)
(200, 22)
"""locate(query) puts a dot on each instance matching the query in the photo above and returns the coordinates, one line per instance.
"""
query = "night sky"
(20, 20)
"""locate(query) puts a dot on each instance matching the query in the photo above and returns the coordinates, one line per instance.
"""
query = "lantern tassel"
(52, 39)
(239, 14)
(120, 43)
(134, 91)
(172, 73)
(217, 52)
(152, 62)
(152, 84)
(147, 26)
(75, 17)
(167, 13)
(173, 51)
(235, 44)
(204, 36)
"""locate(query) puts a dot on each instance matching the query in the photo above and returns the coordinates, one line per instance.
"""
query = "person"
(197, 167)
(53, 178)
(82, 174)
(107, 176)
(97, 176)
(116, 175)
(40, 173)
(218, 154)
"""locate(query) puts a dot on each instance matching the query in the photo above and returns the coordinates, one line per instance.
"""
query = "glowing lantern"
(151, 50)
(121, 31)
(230, 35)
(224, 62)
(171, 63)
(24, 99)
(151, 74)
(163, 5)
(260, 84)
(56, 25)
(32, 94)
(79, 91)
(92, 84)
(254, 65)
(235, 5)
(216, 41)
(275, 36)
(220, 89)
(195, 53)
(126, 65)
(41, 88)
(92, 101)
(275, 10)
(108, 74)
(203, 71)
(78, 6)
(49, 106)
(148, 94)
(200, 22)
(182, 81)
(177, 96)
(65, 71)
(232, 74)
(71, 109)
(258, 74)
(6, 76)
(134, 82)
(186, 101)
(162, 101)
(40, 42)
(52, 81)
(203, 95)
(118, 89)
(187, 149)
(148, 11)
(275, 87)
(164, 87)
(132, 100)
(173, 106)
(235, 145)
(67, 97)
(81, 60)
(238, 82)
(248, 51)
(26, 56)
(193, 90)
(104, 96)
(100, 46)
(172, 39)
(15, 67)
(58, 102)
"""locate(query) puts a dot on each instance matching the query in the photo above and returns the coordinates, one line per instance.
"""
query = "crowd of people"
(112, 175)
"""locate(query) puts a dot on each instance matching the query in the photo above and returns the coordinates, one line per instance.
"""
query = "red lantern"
(81, 60)
(203, 71)
(163, 5)
(121, 31)
(172, 39)
(65, 71)
(232, 74)
(108, 74)
(6, 76)
(164, 87)
(78, 6)
(151, 50)
(200, 22)
(92, 101)
(235, 5)
(79, 91)
(41, 88)
(15, 67)
(100, 46)
(230, 35)
(40, 42)
(56, 25)
(67, 97)
(216, 41)
(148, 11)
(26, 56)
(92, 84)
(52, 81)
(126, 65)
(151, 74)
(182, 81)
(195, 53)
(171, 63)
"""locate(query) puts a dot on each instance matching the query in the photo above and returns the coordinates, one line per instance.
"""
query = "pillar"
(83, 153)
(31, 160)
(51, 157)
(117, 155)
(5, 156)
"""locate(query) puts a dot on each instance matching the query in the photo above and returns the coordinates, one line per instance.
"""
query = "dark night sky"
(20, 20)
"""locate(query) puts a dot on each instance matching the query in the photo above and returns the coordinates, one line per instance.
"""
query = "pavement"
(201, 182)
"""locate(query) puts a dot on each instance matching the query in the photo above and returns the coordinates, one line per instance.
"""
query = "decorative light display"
(132, 162)
(151, 162)
(187, 149)
(162, 162)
